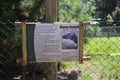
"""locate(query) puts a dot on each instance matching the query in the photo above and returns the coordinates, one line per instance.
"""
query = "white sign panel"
(56, 42)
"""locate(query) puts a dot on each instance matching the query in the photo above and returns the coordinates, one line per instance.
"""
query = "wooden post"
(24, 51)
(82, 25)
(24, 44)
(81, 31)
(51, 12)
(24, 48)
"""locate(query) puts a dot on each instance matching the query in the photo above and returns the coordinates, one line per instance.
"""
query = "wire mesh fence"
(101, 44)
(10, 50)
(104, 50)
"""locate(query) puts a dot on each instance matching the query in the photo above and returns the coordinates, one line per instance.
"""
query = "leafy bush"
(75, 10)
(91, 31)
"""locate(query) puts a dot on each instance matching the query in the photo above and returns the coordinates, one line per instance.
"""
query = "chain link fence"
(10, 50)
(101, 45)
(104, 50)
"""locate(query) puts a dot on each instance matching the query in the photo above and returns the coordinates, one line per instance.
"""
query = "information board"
(53, 42)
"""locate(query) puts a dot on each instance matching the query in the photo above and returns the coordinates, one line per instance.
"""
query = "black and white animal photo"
(69, 40)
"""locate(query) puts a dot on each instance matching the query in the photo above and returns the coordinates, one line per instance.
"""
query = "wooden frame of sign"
(24, 41)
(24, 48)
(81, 32)
(82, 25)
(22, 25)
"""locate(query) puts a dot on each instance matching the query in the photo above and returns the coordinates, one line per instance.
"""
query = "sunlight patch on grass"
(102, 45)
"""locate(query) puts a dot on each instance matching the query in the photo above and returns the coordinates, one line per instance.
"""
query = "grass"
(102, 45)
(100, 67)
(103, 67)
(106, 67)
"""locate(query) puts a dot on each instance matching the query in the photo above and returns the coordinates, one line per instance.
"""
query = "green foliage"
(7, 10)
(10, 36)
(32, 10)
(109, 20)
(116, 14)
(91, 31)
(64, 66)
(27, 4)
(10, 49)
(8, 45)
(75, 10)
(106, 9)
(17, 37)
(22, 10)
